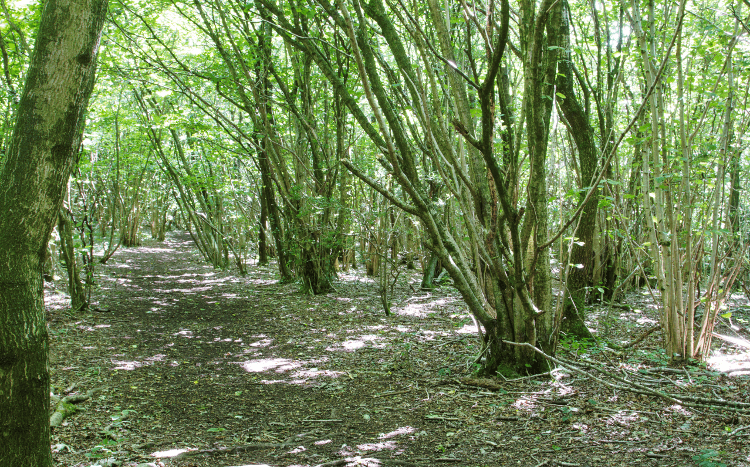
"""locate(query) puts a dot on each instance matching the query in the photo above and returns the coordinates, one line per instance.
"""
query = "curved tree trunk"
(39, 161)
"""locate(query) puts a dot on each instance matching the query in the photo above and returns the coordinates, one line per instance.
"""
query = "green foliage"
(580, 346)
(102, 449)
(709, 458)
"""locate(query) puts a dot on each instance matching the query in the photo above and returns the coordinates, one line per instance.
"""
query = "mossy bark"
(34, 174)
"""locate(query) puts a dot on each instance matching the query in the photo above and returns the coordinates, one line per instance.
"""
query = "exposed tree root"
(65, 406)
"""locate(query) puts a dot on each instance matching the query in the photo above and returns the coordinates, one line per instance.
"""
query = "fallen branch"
(638, 340)
(630, 386)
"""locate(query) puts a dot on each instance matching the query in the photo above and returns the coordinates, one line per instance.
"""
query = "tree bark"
(47, 134)
(75, 286)
(582, 255)
(262, 228)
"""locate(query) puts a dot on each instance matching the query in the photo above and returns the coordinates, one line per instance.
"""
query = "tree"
(498, 259)
(45, 140)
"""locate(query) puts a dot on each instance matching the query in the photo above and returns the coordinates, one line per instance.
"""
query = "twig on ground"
(641, 338)
(736, 431)
(383, 462)
(631, 386)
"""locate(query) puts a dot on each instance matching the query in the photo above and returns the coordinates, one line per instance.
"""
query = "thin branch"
(379, 188)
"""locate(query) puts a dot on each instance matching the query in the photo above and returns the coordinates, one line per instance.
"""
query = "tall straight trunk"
(733, 213)
(580, 275)
(686, 226)
(262, 228)
(345, 245)
(274, 215)
(34, 174)
(67, 247)
(659, 198)
(714, 297)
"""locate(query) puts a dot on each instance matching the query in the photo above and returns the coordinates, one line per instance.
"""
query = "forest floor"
(188, 366)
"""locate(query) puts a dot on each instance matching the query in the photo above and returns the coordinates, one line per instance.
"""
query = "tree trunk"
(429, 272)
(262, 228)
(39, 161)
(269, 196)
(580, 276)
(67, 247)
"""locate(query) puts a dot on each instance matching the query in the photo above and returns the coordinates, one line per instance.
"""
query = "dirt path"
(203, 368)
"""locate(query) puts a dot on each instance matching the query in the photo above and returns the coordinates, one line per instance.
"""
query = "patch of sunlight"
(297, 450)
(404, 430)
(184, 333)
(583, 428)
(280, 365)
(431, 335)
(378, 446)
(345, 451)
(354, 344)
(177, 278)
(155, 250)
(262, 343)
(314, 373)
(157, 358)
(56, 300)
(644, 320)
(363, 461)
(170, 453)
(737, 341)
(354, 277)
(262, 281)
(444, 301)
(469, 328)
(103, 326)
(251, 465)
(222, 280)
(195, 274)
(677, 408)
(524, 404)
(298, 382)
(418, 310)
(323, 441)
(622, 418)
(194, 289)
(126, 365)
(732, 365)
(169, 291)
(417, 298)
(563, 389)
(342, 299)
